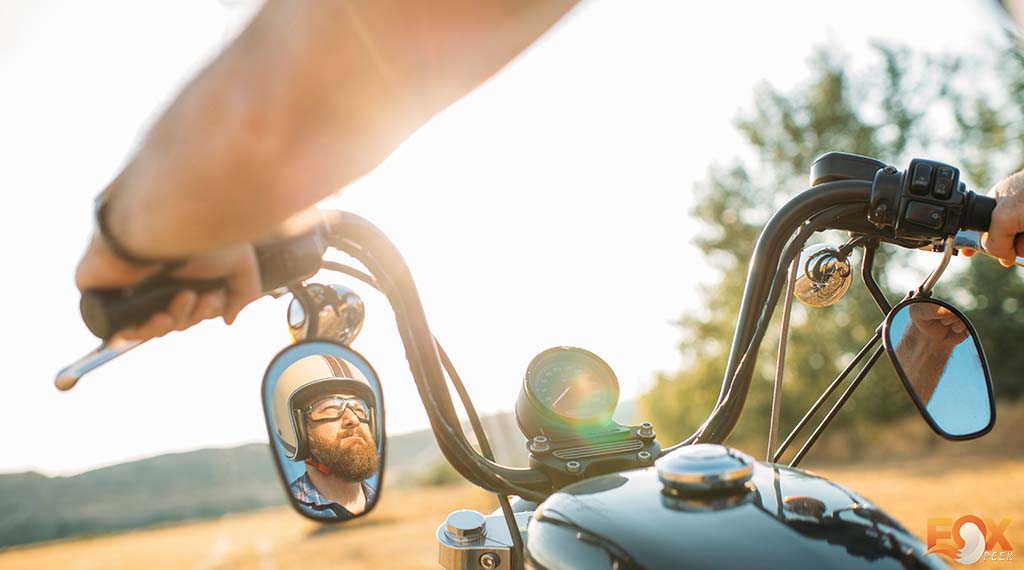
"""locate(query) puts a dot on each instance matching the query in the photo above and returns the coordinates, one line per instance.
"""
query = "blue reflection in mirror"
(325, 418)
(942, 364)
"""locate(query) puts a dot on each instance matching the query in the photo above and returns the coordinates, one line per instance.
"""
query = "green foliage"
(441, 473)
(892, 111)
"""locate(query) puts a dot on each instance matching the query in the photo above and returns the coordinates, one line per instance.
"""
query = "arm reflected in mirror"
(930, 337)
(936, 354)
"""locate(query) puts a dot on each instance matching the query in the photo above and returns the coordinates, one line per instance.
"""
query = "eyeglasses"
(334, 407)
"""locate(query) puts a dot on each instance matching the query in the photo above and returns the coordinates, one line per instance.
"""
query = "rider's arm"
(311, 96)
(927, 344)
(923, 361)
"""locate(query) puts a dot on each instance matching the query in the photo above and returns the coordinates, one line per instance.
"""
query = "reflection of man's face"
(344, 445)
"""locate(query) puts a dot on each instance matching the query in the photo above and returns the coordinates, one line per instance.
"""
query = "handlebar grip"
(978, 213)
(281, 262)
(106, 311)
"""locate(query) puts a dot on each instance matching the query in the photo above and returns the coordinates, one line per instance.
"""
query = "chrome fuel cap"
(465, 526)
(704, 467)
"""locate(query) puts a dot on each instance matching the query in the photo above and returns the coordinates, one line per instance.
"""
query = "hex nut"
(489, 561)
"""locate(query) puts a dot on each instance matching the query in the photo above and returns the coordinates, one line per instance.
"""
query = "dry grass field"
(399, 534)
(937, 480)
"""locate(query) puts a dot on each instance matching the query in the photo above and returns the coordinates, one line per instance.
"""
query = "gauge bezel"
(550, 413)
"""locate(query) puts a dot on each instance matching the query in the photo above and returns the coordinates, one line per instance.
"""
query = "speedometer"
(572, 384)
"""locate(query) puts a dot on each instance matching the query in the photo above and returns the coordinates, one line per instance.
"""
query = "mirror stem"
(926, 288)
(835, 409)
(780, 366)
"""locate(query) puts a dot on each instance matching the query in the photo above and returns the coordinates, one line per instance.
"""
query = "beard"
(349, 458)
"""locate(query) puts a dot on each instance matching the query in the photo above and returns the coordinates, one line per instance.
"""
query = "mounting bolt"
(540, 444)
(572, 466)
(890, 169)
(645, 430)
(643, 457)
(489, 561)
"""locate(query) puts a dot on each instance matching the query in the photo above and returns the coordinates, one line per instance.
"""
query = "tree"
(889, 112)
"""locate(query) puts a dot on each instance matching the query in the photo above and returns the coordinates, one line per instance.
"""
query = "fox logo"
(973, 539)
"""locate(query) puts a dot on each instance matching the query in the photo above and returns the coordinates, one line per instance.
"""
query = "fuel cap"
(704, 467)
(465, 526)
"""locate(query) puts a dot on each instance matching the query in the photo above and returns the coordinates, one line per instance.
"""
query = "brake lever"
(970, 239)
(107, 350)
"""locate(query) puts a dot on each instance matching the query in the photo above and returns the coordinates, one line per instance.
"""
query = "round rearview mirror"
(332, 312)
(937, 355)
(325, 419)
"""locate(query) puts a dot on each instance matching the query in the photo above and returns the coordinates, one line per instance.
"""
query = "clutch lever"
(107, 350)
(970, 239)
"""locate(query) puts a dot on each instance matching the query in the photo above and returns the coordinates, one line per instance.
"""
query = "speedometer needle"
(562, 395)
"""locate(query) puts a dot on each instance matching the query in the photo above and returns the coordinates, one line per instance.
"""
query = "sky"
(549, 207)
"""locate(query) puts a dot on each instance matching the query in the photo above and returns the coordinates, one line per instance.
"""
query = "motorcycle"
(598, 494)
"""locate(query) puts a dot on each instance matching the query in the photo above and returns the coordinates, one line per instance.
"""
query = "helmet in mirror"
(937, 355)
(324, 413)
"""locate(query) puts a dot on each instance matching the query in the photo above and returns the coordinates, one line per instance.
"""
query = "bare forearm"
(923, 360)
(310, 97)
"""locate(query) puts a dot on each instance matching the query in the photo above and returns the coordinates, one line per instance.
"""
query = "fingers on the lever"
(181, 309)
(157, 325)
(1001, 239)
(186, 309)
(1018, 249)
(210, 305)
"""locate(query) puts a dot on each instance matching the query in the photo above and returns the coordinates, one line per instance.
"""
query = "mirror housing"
(938, 357)
(324, 411)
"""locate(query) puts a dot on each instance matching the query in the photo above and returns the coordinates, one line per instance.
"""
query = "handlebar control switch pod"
(927, 201)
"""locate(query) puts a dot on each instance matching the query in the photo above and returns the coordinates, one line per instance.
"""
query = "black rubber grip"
(107, 311)
(978, 212)
(281, 262)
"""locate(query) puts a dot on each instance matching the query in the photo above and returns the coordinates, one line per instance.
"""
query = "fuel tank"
(761, 516)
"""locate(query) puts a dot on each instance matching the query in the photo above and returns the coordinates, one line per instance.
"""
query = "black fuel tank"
(781, 518)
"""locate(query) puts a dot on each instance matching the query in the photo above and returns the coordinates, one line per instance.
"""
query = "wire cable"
(467, 403)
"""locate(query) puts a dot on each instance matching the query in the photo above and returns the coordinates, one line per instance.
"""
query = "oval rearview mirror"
(325, 419)
(937, 355)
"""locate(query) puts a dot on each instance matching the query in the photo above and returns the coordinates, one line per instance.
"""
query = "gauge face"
(573, 383)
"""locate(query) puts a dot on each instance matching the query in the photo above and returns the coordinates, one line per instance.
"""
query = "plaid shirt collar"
(307, 494)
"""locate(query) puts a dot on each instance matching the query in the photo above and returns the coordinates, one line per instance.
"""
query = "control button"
(921, 179)
(943, 183)
(926, 215)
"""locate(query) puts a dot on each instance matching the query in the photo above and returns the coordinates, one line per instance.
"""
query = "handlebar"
(978, 212)
(284, 262)
(843, 204)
